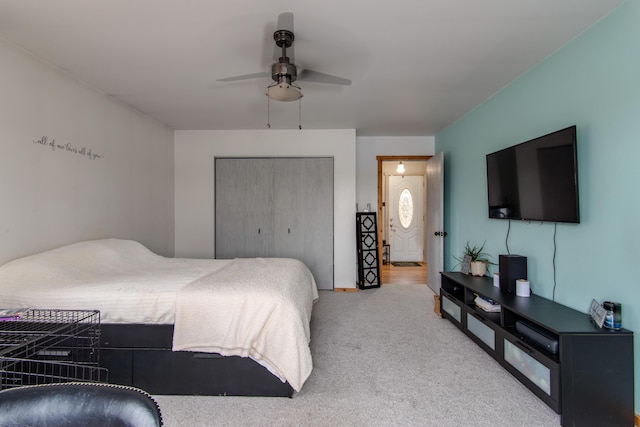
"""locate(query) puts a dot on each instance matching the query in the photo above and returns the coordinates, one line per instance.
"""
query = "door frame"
(381, 159)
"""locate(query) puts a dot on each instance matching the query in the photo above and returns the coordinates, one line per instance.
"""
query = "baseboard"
(345, 289)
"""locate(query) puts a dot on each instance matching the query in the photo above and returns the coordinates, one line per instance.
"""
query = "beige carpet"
(381, 358)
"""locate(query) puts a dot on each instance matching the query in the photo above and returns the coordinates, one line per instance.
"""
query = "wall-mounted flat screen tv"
(536, 180)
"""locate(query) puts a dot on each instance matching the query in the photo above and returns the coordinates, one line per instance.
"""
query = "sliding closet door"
(276, 207)
(244, 208)
(317, 217)
(288, 222)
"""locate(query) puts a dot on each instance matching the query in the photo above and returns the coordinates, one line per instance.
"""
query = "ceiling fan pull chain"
(268, 115)
(300, 113)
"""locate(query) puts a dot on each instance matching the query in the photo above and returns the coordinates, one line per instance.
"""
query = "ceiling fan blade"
(285, 22)
(244, 77)
(316, 76)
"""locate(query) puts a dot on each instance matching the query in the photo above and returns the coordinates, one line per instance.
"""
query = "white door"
(406, 218)
(435, 211)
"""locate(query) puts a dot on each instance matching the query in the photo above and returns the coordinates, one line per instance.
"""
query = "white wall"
(367, 148)
(194, 184)
(51, 197)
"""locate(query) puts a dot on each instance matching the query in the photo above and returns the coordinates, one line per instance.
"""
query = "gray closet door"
(317, 214)
(288, 205)
(276, 207)
(244, 208)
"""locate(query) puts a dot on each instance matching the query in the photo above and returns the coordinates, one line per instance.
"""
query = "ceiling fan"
(284, 72)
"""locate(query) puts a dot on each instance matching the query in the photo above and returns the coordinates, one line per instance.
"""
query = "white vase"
(478, 268)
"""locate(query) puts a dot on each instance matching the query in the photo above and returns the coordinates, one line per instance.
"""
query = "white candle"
(523, 288)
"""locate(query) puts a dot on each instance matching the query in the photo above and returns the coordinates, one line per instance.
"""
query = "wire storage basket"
(50, 346)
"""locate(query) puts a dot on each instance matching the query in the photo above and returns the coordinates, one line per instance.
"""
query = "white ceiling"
(416, 65)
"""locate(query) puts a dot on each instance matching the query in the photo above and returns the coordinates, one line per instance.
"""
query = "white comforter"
(249, 307)
(123, 279)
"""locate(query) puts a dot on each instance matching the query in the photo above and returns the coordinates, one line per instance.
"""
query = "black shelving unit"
(589, 381)
(368, 260)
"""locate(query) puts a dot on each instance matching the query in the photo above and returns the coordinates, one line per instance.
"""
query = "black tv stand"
(588, 382)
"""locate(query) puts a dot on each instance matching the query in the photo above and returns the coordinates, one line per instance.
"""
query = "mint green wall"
(594, 83)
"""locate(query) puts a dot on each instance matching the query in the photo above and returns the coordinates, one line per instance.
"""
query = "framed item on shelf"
(466, 264)
(597, 313)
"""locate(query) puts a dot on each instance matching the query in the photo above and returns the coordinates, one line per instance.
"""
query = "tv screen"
(536, 180)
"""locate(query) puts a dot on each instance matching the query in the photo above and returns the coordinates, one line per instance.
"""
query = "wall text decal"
(69, 148)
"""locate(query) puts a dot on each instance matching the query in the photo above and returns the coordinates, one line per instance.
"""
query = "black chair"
(78, 404)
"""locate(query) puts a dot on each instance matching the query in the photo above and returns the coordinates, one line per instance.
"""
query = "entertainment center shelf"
(582, 372)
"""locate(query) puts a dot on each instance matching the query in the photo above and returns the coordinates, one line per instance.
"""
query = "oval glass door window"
(405, 208)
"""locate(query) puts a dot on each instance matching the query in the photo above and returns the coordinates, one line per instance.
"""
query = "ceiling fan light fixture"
(284, 91)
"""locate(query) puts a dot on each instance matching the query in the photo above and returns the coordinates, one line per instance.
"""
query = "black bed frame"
(140, 355)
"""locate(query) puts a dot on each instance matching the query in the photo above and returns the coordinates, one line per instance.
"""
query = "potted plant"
(477, 259)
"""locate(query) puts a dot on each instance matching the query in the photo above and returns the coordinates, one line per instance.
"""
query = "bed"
(177, 325)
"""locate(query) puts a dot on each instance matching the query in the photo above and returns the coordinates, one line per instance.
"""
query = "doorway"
(401, 218)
